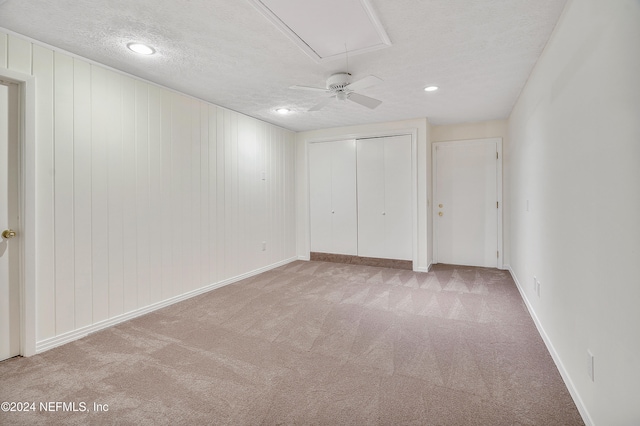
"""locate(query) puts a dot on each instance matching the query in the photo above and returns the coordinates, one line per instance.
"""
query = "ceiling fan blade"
(363, 83)
(321, 104)
(364, 100)
(313, 89)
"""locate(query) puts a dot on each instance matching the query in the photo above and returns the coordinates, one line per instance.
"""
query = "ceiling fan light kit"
(339, 87)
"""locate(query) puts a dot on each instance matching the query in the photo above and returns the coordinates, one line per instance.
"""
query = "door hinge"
(497, 205)
(496, 155)
(498, 254)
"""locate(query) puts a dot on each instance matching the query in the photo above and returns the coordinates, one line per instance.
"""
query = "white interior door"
(371, 192)
(466, 209)
(397, 181)
(320, 197)
(344, 225)
(384, 198)
(332, 193)
(9, 249)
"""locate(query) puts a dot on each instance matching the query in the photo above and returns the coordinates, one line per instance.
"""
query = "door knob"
(439, 213)
(440, 205)
(8, 233)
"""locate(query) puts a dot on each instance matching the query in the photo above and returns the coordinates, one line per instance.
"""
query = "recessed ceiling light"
(283, 110)
(431, 88)
(142, 49)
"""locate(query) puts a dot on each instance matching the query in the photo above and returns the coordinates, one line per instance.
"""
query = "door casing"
(26, 206)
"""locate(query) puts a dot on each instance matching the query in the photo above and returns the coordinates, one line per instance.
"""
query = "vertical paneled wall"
(144, 194)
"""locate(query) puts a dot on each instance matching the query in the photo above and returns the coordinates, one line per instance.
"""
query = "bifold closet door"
(384, 197)
(332, 193)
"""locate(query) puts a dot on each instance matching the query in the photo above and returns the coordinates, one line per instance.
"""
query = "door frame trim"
(26, 207)
(434, 171)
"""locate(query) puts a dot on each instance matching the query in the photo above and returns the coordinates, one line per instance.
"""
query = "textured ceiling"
(479, 53)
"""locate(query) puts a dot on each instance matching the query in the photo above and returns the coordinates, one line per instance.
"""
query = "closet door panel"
(332, 192)
(397, 187)
(343, 197)
(320, 197)
(371, 193)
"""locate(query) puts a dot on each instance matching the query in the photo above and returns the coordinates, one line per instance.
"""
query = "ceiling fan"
(340, 88)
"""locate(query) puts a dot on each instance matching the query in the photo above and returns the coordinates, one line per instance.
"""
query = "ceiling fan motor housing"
(338, 81)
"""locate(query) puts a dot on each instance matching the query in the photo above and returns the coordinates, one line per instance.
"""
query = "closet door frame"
(413, 132)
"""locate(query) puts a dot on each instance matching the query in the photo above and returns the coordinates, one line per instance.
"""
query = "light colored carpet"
(311, 343)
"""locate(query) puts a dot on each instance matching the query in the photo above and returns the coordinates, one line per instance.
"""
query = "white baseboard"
(422, 268)
(556, 358)
(307, 258)
(45, 345)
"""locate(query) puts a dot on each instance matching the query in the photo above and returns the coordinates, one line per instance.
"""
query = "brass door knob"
(8, 233)
(439, 213)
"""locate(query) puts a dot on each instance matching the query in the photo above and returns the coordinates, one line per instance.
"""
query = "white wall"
(483, 130)
(143, 195)
(382, 129)
(477, 130)
(575, 155)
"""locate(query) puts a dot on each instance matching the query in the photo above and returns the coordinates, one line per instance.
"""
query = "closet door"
(332, 192)
(397, 183)
(344, 224)
(384, 197)
(320, 197)
(371, 192)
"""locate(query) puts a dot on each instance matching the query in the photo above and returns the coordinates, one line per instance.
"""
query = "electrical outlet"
(590, 365)
(264, 245)
(538, 288)
(535, 285)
